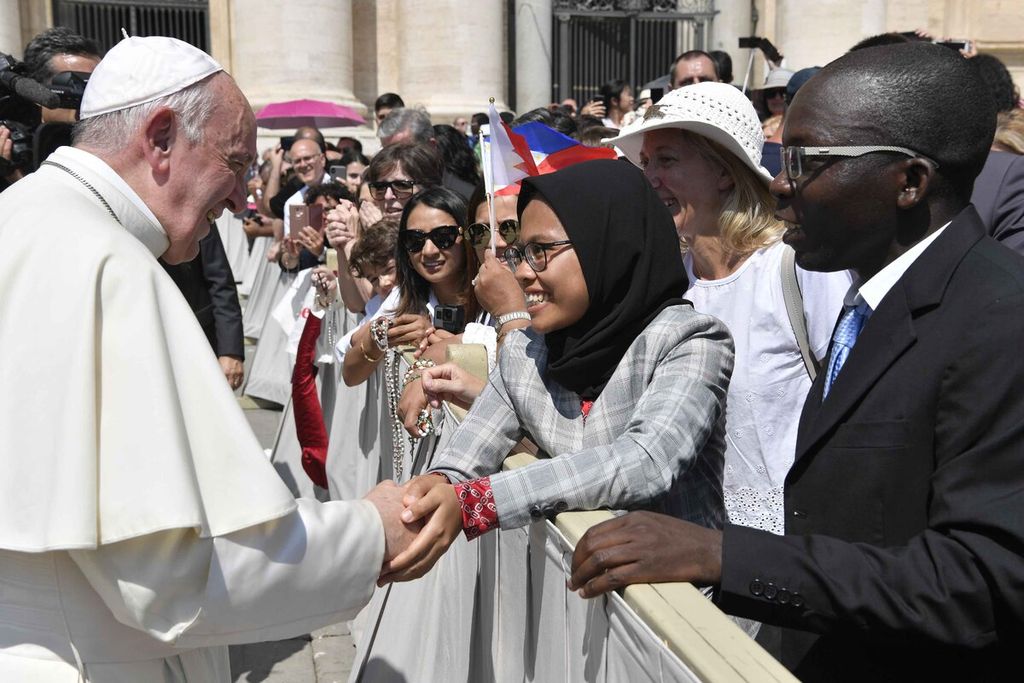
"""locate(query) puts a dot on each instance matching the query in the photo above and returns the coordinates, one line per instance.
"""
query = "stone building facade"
(450, 56)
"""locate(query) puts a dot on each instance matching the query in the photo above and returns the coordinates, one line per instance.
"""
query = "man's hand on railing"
(645, 547)
(451, 383)
(430, 500)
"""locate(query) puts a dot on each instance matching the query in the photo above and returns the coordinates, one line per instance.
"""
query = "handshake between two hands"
(421, 519)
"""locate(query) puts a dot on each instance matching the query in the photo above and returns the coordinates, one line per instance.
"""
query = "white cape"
(108, 429)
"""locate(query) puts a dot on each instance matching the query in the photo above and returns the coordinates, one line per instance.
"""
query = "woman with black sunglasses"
(435, 267)
(395, 174)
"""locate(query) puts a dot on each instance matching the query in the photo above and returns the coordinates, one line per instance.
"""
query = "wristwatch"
(509, 317)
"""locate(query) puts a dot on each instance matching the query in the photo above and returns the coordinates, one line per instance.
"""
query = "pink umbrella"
(296, 113)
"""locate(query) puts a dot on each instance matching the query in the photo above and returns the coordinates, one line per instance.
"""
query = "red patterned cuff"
(479, 514)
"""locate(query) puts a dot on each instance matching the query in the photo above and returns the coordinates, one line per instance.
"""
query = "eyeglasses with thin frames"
(443, 237)
(400, 188)
(534, 253)
(793, 157)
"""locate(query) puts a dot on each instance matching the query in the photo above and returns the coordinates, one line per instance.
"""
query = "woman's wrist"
(369, 359)
(476, 500)
(287, 260)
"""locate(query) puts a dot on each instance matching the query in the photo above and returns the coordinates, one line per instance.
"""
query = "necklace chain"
(85, 182)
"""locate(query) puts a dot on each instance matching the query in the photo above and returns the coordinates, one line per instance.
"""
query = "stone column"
(10, 28)
(293, 50)
(452, 56)
(813, 34)
(732, 22)
(533, 54)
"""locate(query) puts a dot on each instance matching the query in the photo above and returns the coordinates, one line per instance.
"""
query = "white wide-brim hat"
(716, 111)
(777, 78)
(140, 70)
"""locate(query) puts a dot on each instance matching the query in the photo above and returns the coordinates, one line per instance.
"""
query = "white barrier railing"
(652, 632)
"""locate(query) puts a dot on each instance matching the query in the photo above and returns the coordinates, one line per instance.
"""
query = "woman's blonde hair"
(747, 222)
(1010, 131)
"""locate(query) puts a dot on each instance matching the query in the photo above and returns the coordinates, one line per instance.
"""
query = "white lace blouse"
(769, 381)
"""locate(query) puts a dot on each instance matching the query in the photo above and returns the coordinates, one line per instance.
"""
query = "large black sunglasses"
(443, 237)
(400, 188)
(479, 234)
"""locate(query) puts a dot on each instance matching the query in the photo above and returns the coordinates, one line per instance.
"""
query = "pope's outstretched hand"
(387, 497)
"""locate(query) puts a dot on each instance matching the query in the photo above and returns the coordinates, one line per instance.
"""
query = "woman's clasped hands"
(431, 501)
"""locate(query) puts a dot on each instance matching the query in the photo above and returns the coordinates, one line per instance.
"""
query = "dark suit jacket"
(209, 287)
(999, 197)
(293, 185)
(903, 557)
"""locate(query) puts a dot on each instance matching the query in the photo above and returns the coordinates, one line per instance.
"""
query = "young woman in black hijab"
(618, 380)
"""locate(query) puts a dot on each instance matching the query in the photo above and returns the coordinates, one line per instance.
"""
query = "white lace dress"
(769, 382)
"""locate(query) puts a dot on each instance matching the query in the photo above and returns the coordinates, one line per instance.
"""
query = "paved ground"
(325, 656)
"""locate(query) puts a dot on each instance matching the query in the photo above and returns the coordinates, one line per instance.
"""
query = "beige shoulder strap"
(795, 309)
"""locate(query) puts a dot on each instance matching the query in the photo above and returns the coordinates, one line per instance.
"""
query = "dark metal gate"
(596, 41)
(102, 21)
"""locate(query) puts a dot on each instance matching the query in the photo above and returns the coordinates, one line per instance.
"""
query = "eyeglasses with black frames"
(400, 188)
(443, 237)
(793, 157)
(534, 253)
(479, 234)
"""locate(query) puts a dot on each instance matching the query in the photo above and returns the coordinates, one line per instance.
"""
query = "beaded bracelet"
(425, 423)
(413, 374)
(379, 332)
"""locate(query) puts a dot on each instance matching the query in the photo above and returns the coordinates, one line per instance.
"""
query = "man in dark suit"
(999, 198)
(208, 285)
(903, 557)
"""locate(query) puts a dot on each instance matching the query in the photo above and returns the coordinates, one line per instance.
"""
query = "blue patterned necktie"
(842, 342)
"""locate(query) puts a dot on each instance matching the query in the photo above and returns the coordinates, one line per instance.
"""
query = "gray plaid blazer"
(654, 439)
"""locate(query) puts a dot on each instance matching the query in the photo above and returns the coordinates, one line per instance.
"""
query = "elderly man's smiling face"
(207, 177)
(308, 161)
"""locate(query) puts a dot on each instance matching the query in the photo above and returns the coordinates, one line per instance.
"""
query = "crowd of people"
(776, 333)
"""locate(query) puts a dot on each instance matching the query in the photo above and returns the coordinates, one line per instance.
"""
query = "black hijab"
(627, 246)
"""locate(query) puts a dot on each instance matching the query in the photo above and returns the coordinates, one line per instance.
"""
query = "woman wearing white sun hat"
(700, 147)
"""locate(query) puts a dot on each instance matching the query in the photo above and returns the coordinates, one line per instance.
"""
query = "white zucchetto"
(140, 70)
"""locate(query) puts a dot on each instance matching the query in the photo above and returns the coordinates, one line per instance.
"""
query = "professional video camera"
(19, 96)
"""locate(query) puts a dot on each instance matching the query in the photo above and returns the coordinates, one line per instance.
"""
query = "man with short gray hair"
(141, 521)
(413, 125)
(405, 125)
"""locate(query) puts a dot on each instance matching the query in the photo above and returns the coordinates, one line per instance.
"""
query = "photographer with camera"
(9, 171)
(60, 60)
(63, 59)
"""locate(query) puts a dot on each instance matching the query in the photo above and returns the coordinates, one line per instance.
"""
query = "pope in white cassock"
(141, 527)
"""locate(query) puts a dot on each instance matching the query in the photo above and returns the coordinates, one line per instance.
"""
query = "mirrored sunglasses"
(479, 234)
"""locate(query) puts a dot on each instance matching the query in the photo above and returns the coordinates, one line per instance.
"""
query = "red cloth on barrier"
(309, 416)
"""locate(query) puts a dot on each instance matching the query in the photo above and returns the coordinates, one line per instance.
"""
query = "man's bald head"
(916, 95)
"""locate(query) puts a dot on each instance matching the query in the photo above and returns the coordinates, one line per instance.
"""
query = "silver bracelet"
(509, 317)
